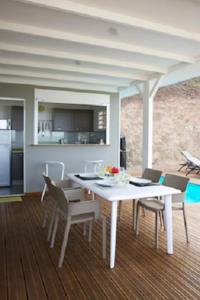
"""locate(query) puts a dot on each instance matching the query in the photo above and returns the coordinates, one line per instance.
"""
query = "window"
(102, 116)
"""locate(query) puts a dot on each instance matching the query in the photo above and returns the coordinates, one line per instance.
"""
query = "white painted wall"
(74, 157)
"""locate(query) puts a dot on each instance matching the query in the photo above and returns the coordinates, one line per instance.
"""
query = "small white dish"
(88, 175)
(139, 180)
(106, 183)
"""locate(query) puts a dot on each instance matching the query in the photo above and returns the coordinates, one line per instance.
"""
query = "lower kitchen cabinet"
(17, 166)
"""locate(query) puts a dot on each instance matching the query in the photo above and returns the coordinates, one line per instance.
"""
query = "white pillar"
(119, 131)
(148, 94)
(147, 152)
(35, 120)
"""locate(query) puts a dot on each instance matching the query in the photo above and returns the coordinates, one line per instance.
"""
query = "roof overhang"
(98, 45)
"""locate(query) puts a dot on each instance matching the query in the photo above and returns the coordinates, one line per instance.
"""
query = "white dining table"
(115, 194)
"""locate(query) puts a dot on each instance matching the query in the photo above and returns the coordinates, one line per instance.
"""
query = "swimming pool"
(192, 192)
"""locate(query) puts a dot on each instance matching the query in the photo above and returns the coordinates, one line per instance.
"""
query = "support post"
(148, 96)
(147, 127)
(35, 120)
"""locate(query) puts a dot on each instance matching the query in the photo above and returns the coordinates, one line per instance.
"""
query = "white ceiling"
(96, 44)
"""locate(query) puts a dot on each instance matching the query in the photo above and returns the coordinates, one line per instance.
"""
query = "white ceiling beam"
(57, 84)
(69, 68)
(57, 76)
(81, 57)
(155, 87)
(102, 14)
(92, 41)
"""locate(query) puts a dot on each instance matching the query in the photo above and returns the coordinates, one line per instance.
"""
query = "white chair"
(60, 165)
(74, 213)
(157, 206)
(93, 165)
(50, 205)
(148, 173)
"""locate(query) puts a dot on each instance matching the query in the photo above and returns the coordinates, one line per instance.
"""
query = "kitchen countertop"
(70, 145)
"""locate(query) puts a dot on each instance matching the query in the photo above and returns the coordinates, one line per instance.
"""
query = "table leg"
(169, 223)
(113, 232)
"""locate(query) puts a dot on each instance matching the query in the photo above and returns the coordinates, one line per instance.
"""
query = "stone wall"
(176, 125)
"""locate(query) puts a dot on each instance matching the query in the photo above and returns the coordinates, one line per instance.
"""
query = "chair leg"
(84, 229)
(182, 166)
(43, 193)
(64, 243)
(90, 231)
(163, 220)
(119, 210)
(156, 229)
(143, 212)
(134, 207)
(51, 226)
(44, 223)
(185, 224)
(103, 237)
(191, 170)
(54, 231)
(138, 219)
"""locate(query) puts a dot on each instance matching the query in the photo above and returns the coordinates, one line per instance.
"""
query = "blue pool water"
(192, 192)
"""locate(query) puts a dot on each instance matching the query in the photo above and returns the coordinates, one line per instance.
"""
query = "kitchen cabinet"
(72, 120)
(83, 120)
(63, 120)
(17, 118)
(17, 166)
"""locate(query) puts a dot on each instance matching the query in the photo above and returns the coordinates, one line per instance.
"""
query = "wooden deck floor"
(29, 268)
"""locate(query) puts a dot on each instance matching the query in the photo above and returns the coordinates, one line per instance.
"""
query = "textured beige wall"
(176, 125)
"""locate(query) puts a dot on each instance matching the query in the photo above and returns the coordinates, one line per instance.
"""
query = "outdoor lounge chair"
(187, 156)
(193, 166)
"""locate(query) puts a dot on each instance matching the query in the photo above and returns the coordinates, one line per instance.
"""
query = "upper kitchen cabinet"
(63, 120)
(72, 120)
(17, 118)
(83, 120)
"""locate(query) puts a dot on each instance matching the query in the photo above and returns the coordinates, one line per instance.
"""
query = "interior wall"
(75, 156)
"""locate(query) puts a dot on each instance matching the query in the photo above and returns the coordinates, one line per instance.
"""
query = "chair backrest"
(60, 198)
(177, 182)
(93, 165)
(48, 182)
(152, 174)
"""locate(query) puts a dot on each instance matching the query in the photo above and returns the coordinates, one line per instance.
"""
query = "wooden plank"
(16, 283)
(3, 270)
(66, 276)
(141, 272)
(52, 284)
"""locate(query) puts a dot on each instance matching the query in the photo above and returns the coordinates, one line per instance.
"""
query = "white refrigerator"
(5, 157)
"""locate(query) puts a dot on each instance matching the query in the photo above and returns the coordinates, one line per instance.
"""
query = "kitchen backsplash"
(71, 137)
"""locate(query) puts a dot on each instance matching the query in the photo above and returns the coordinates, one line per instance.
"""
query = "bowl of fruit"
(111, 171)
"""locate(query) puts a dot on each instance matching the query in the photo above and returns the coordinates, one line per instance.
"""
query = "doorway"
(12, 135)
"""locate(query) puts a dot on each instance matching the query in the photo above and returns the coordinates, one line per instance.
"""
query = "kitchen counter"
(70, 145)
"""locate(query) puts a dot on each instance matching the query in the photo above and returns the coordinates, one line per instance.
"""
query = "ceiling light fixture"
(112, 31)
